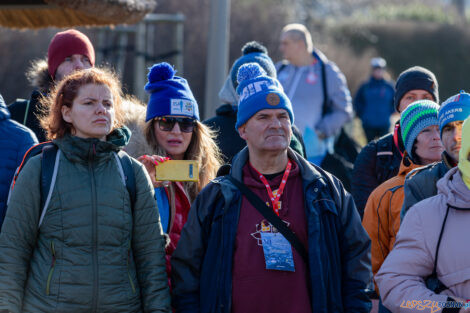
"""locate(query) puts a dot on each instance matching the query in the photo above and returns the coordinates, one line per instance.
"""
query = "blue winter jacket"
(338, 246)
(15, 140)
(374, 103)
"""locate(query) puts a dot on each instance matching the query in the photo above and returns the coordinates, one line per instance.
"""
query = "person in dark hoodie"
(228, 140)
(68, 51)
(15, 140)
(380, 159)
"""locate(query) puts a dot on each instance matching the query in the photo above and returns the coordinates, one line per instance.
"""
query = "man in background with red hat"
(68, 51)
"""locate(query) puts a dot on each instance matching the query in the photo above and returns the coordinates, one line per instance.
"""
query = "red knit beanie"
(65, 44)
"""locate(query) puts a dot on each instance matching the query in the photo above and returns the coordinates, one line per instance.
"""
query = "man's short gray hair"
(299, 32)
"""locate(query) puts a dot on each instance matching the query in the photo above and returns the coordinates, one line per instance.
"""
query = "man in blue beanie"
(420, 184)
(277, 234)
(228, 140)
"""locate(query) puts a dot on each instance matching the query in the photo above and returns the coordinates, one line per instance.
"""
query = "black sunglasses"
(167, 123)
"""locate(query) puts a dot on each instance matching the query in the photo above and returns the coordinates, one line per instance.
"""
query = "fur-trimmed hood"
(38, 76)
(134, 118)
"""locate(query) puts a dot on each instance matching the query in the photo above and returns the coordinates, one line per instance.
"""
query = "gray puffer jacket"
(92, 252)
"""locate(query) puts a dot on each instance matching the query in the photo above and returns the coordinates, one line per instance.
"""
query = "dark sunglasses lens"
(186, 125)
(166, 124)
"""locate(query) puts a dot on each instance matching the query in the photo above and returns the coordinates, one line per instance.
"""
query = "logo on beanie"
(273, 99)
(253, 88)
(181, 107)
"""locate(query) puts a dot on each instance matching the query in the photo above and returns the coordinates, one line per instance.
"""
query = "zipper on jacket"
(128, 267)
(51, 271)
(91, 157)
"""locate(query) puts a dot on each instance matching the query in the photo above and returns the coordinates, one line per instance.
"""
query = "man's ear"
(66, 114)
(242, 131)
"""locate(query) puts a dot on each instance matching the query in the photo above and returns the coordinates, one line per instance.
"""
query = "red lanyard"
(395, 139)
(275, 199)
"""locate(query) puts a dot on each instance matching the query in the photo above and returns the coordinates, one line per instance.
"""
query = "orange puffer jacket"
(382, 214)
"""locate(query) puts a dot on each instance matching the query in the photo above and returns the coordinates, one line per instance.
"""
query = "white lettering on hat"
(253, 88)
(449, 114)
(182, 107)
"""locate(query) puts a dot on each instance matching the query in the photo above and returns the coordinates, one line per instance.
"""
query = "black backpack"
(49, 166)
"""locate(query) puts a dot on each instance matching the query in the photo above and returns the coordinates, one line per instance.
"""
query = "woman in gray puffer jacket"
(91, 249)
(433, 236)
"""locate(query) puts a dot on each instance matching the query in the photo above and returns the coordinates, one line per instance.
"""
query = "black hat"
(416, 77)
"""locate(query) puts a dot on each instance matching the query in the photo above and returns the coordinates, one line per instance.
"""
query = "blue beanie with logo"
(456, 108)
(416, 117)
(169, 94)
(257, 92)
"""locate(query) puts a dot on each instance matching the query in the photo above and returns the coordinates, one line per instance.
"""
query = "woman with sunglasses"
(173, 131)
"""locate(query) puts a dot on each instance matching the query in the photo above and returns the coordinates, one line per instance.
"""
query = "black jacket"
(338, 246)
(26, 112)
(377, 162)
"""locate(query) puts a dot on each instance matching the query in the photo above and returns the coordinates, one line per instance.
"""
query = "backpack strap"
(26, 111)
(49, 165)
(128, 175)
(326, 100)
(269, 214)
(432, 282)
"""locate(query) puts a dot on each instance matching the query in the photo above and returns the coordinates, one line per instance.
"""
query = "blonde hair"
(202, 149)
(299, 32)
(66, 91)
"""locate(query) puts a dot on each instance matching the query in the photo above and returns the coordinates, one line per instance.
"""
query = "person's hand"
(149, 162)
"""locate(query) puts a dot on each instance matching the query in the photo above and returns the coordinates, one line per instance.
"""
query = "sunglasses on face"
(167, 123)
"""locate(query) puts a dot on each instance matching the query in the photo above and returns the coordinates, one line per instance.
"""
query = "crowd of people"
(284, 214)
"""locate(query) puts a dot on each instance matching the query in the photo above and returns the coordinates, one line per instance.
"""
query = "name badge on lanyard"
(277, 252)
(277, 249)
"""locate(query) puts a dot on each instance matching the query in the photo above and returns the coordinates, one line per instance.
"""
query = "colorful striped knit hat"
(416, 117)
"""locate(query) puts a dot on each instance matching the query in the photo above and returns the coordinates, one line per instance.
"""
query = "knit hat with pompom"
(169, 94)
(253, 52)
(257, 92)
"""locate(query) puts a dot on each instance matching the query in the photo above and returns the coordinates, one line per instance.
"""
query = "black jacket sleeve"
(364, 179)
(187, 259)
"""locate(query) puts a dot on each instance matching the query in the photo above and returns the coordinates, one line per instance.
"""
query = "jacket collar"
(85, 149)
(454, 189)
(307, 171)
(407, 165)
(447, 160)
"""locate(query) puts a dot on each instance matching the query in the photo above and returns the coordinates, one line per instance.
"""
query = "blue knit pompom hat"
(253, 52)
(169, 94)
(257, 91)
(456, 108)
(416, 117)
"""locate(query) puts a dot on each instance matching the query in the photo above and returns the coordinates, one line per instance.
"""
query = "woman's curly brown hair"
(66, 91)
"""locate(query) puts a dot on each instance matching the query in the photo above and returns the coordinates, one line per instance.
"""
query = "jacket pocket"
(128, 266)
(51, 270)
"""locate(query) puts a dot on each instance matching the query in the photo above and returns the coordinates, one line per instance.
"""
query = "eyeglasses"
(167, 123)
